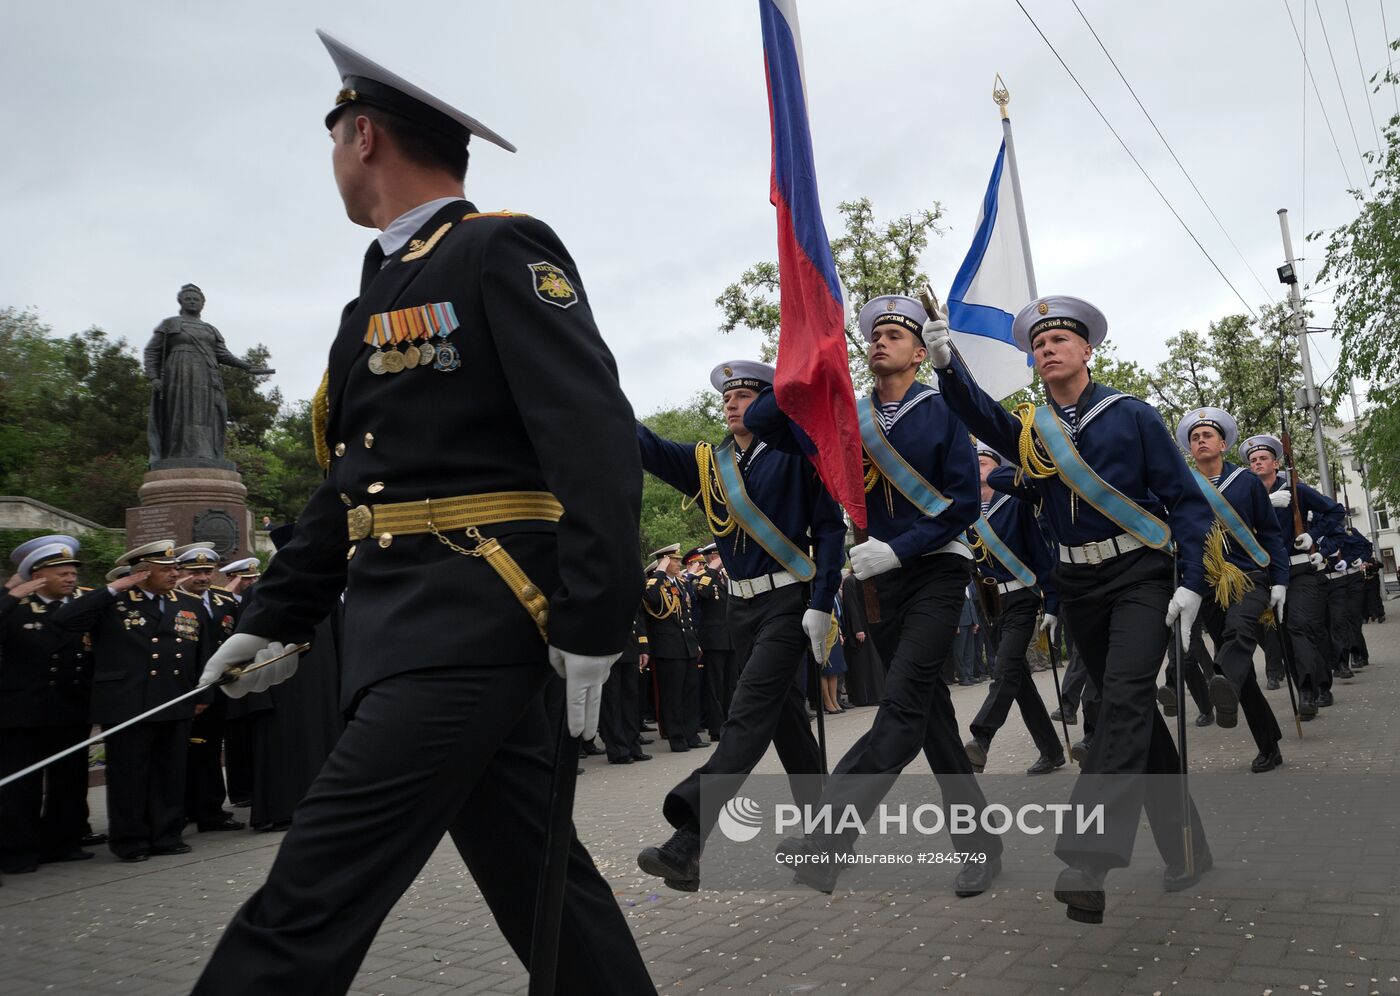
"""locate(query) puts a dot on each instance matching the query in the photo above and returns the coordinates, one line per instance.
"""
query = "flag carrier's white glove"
(871, 558)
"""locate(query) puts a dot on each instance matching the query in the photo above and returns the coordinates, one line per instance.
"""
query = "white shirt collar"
(396, 236)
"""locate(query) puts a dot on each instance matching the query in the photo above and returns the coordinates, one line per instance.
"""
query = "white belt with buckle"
(752, 587)
(1299, 558)
(1097, 553)
(1007, 587)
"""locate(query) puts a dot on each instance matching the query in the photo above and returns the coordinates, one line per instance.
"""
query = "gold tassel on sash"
(1228, 581)
(670, 604)
(1033, 461)
(320, 416)
(711, 492)
(874, 477)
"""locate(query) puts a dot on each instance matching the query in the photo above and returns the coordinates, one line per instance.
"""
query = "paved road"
(104, 927)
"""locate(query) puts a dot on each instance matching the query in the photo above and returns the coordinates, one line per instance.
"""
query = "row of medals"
(393, 361)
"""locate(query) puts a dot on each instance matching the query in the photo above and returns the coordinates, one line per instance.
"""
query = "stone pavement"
(104, 927)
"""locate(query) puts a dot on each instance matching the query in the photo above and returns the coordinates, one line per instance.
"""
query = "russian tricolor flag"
(813, 384)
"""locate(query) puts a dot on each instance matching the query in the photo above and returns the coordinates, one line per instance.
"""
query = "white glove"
(1341, 565)
(1047, 623)
(1281, 498)
(1184, 605)
(583, 694)
(1316, 560)
(243, 649)
(1302, 541)
(871, 558)
(1277, 594)
(817, 625)
(939, 342)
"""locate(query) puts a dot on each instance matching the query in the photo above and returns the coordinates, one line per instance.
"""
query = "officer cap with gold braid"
(364, 81)
(1059, 311)
(161, 552)
(196, 557)
(18, 554)
(48, 555)
(246, 567)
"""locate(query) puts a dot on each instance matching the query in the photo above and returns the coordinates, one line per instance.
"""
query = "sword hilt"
(237, 671)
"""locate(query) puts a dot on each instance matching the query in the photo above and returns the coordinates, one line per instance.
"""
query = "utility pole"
(1288, 274)
(1372, 520)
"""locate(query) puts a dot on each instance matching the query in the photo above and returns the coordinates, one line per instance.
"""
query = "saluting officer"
(480, 517)
(675, 650)
(1110, 479)
(45, 687)
(620, 721)
(712, 591)
(244, 714)
(1246, 568)
(1312, 517)
(150, 642)
(1014, 557)
(204, 774)
(709, 617)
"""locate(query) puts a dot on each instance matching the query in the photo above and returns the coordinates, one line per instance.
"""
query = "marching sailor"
(1013, 557)
(766, 510)
(1346, 598)
(922, 483)
(1110, 480)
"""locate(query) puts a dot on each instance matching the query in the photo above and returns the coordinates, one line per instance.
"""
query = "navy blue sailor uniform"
(45, 702)
(764, 612)
(1022, 592)
(921, 601)
(1348, 642)
(1115, 591)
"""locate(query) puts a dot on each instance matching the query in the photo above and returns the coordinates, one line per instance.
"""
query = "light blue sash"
(1080, 478)
(752, 520)
(1226, 513)
(907, 481)
(998, 549)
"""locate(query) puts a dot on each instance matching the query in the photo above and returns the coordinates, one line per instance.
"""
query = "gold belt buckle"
(360, 521)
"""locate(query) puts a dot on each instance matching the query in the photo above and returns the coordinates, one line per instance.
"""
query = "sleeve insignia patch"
(552, 286)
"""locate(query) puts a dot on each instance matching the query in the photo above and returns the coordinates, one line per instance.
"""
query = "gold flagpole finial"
(1001, 95)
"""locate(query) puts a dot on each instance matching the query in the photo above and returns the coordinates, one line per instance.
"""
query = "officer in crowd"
(922, 495)
(675, 652)
(150, 641)
(205, 792)
(45, 690)
(1115, 493)
(707, 585)
(1013, 557)
(766, 509)
(1306, 521)
(242, 715)
(459, 385)
(620, 721)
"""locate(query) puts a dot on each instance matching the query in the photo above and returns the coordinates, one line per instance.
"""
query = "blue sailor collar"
(1095, 399)
(918, 392)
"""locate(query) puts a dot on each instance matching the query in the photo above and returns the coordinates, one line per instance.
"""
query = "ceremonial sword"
(232, 674)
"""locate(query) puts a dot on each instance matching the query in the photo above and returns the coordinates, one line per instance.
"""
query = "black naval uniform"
(619, 719)
(45, 692)
(711, 590)
(204, 774)
(445, 675)
(148, 650)
(675, 651)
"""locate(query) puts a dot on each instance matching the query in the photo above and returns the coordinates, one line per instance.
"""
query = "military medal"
(427, 352)
(421, 329)
(448, 359)
(410, 357)
(376, 362)
(393, 361)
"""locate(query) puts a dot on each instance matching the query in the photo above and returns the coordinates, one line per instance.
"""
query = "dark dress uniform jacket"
(148, 650)
(671, 636)
(534, 405)
(45, 670)
(712, 602)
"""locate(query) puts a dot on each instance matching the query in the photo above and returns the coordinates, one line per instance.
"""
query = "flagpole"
(1002, 96)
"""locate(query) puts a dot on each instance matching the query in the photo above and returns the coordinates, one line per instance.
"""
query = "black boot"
(977, 753)
(1267, 762)
(1225, 702)
(976, 877)
(1174, 879)
(1047, 763)
(1081, 890)
(1067, 715)
(677, 861)
(1324, 698)
(1167, 697)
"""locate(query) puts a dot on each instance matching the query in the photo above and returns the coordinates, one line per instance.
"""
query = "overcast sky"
(149, 144)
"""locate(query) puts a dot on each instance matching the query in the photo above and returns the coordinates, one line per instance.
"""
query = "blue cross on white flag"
(992, 285)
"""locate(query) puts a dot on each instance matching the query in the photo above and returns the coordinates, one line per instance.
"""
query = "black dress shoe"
(1324, 698)
(976, 877)
(1174, 879)
(227, 823)
(1307, 705)
(646, 740)
(1224, 701)
(641, 756)
(1345, 673)
(1272, 685)
(714, 737)
(620, 760)
(72, 854)
(799, 853)
(1266, 762)
(976, 753)
(648, 728)
(590, 749)
(695, 743)
(677, 860)
(1081, 890)
(93, 839)
(1357, 665)
(1070, 718)
(678, 745)
(1046, 764)
(132, 859)
(271, 827)
(180, 848)
(1167, 697)
(1205, 719)
(1080, 751)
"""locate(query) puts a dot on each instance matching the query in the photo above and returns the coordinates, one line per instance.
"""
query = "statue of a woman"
(189, 411)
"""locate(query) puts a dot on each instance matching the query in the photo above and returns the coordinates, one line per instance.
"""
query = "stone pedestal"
(191, 505)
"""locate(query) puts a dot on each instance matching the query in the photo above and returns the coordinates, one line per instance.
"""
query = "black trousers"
(1234, 632)
(1012, 683)
(709, 686)
(44, 814)
(677, 703)
(768, 707)
(1356, 617)
(1198, 664)
(721, 677)
(1118, 609)
(1338, 625)
(146, 786)
(924, 600)
(619, 718)
(1305, 620)
(462, 750)
(238, 760)
(204, 772)
(1269, 641)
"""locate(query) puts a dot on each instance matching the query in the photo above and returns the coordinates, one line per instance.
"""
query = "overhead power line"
(1390, 60)
(1175, 158)
(1341, 92)
(1365, 87)
(1307, 66)
(1141, 168)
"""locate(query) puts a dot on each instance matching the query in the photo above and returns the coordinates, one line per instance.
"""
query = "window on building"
(1383, 518)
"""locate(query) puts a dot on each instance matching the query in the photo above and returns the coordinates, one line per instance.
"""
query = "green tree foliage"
(1363, 265)
(872, 258)
(667, 515)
